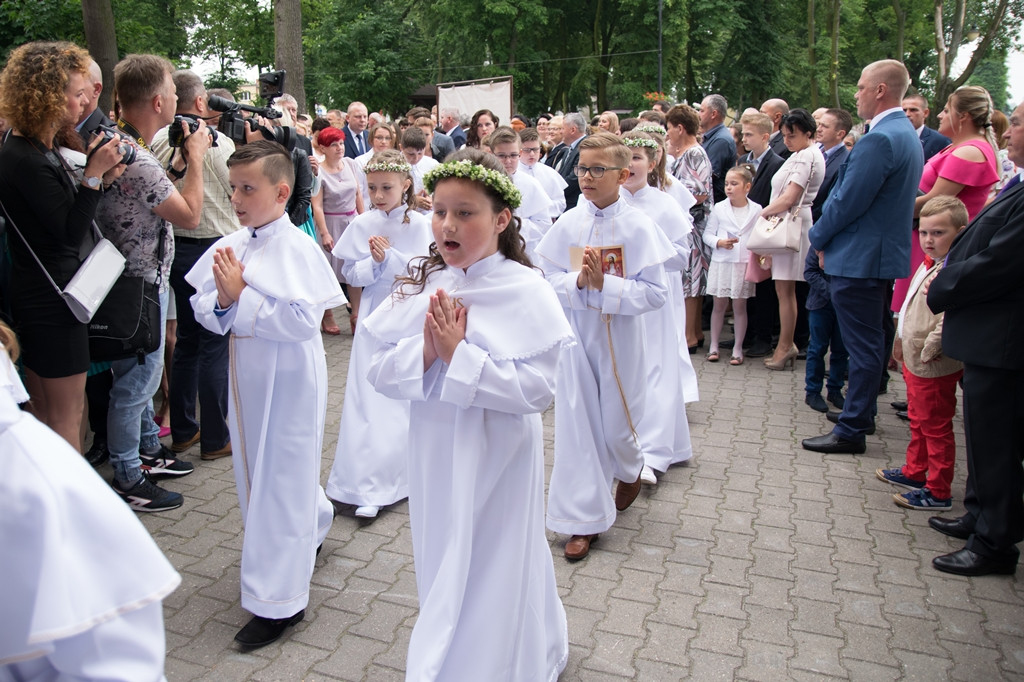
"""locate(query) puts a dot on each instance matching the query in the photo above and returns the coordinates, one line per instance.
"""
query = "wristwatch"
(92, 182)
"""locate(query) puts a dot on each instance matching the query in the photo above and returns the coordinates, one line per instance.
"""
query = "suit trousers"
(860, 307)
(931, 406)
(993, 405)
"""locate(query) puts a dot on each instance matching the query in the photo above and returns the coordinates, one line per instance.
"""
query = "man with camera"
(200, 365)
(135, 214)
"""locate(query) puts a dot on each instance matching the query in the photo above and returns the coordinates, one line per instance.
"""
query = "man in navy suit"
(980, 290)
(916, 109)
(356, 142)
(574, 129)
(449, 125)
(93, 117)
(864, 235)
(834, 126)
(775, 109)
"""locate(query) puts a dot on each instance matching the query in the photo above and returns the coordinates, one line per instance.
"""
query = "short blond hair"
(138, 78)
(762, 123)
(944, 203)
(612, 144)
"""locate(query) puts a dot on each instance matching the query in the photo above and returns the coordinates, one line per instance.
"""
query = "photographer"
(135, 214)
(200, 365)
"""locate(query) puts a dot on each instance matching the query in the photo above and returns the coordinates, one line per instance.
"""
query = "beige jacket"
(920, 342)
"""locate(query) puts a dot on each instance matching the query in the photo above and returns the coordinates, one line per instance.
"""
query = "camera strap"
(130, 129)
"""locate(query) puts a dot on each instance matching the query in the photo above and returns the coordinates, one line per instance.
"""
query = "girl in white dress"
(370, 467)
(472, 337)
(726, 233)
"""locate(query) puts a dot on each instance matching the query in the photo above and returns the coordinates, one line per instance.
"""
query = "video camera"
(233, 122)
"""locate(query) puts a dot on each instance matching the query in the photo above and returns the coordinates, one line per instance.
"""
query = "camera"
(233, 122)
(127, 147)
(176, 136)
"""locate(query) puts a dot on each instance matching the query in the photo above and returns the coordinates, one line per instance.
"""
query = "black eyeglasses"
(596, 172)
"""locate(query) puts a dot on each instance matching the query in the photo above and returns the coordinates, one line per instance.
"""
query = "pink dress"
(977, 179)
(339, 194)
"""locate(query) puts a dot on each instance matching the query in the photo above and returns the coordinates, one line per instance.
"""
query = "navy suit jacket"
(458, 136)
(864, 228)
(981, 287)
(351, 151)
(932, 142)
(441, 146)
(721, 149)
(761, 187)
(832, 165)
(569, 158)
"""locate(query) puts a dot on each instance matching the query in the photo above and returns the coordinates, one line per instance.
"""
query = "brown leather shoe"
(625, 493)
(185, 445)
(216, 454)
(578, 546)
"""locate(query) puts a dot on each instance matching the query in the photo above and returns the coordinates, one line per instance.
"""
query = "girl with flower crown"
(472, 337)
(369, 469)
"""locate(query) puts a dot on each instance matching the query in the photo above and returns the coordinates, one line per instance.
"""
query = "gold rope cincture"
(607, 319)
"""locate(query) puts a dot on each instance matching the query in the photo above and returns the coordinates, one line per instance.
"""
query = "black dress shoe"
(955, 528)
(262, 631)
(903, 415)
(816, 402)
(899, 405)
(837, 399)
(759, 349)
(966, 562)
(834, 418)
(831, 444)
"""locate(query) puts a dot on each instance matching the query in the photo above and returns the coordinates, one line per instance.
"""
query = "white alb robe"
(278, 383)
(81, 580)
(370, 466)
(552, 182)
(664, 432)
(489, 605)
(534, 211)
(602, 381)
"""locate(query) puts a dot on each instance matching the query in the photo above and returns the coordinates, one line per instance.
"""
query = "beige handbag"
(778, 234)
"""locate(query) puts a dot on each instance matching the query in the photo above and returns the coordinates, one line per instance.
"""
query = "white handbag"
(778, 234)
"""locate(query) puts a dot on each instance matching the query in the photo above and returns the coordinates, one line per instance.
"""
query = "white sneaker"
(647, 476)
(367, 512)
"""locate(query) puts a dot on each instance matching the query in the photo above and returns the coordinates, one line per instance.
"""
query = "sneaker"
(896, 476)
(97, 454)
(146, 496)
(648, 476)
(367, 511)
(922, 499)
(164, 465)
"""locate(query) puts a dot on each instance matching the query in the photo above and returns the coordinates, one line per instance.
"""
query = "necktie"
(1014, 181)
(359, 143)
(928, 261)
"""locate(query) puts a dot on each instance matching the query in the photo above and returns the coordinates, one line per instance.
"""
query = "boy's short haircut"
(138, 78)
(610, 144)
(627, 124)
(424, 121)
(414, 138)
(759, 122)
(946, 204)
(528, 135)
(654, 116)
(319, 123)
(503, 135)
(275, 161)
(418, 112)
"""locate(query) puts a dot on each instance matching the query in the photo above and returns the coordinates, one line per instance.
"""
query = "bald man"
(93, 117)
(775, 109)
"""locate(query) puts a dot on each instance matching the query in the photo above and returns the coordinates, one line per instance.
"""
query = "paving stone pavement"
(757, 561)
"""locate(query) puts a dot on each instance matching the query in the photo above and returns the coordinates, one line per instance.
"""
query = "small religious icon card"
(613, 259)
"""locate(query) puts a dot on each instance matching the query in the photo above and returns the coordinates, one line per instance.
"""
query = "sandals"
(328, 325)
(713, 356)
(736, 360)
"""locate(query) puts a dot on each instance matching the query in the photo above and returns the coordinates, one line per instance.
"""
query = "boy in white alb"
(553, 183)
(268, 286)
(414, 147)
(601, 380)
(536, 208)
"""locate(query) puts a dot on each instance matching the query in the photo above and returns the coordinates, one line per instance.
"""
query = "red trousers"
(931, 405)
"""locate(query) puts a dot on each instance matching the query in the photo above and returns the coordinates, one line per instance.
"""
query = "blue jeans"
(824, 330)
(130, 419)
(200, 364)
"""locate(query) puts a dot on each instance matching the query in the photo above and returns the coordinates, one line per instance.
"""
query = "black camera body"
(176, 136)
(233, 122)
(127, 148)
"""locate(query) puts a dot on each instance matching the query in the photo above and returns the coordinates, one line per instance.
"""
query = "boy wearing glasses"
(530, 151)
(535, 210)
(601, 380)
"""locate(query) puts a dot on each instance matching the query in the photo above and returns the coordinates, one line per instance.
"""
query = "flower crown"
(389, 167)
(651, 128)
(467, 170)
(640, 142)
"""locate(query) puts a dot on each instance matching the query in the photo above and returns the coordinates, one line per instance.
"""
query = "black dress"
(55, 219)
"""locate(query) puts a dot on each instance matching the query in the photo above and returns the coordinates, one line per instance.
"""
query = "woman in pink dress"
(334, 206)
(966, 169)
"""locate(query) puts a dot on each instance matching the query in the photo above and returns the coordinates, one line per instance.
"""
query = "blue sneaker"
(922, 499)
(896, 476)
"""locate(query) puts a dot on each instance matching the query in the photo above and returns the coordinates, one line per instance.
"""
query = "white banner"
(470, 97)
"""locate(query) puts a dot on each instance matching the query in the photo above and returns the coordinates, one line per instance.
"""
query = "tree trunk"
(811, 58)
(288, 47)
(901, 27)
(833, 73)
(101, 41)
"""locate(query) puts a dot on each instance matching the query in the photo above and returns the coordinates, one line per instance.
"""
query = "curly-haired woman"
(44, 87)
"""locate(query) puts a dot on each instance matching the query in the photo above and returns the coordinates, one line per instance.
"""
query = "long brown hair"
(510, 240)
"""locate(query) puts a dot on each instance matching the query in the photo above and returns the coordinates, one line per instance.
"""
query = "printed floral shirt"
(125, 216)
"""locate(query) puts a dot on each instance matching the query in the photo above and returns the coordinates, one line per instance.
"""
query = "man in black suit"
(574, 129)
(93, 117)
(981, 292)
(834, 126)
(356, 142)
(775, 109)
(558, 146)
(916, 109)
(449, 125)
(763, 308)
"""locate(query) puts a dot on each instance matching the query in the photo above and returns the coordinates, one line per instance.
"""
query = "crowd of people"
(480, 268)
